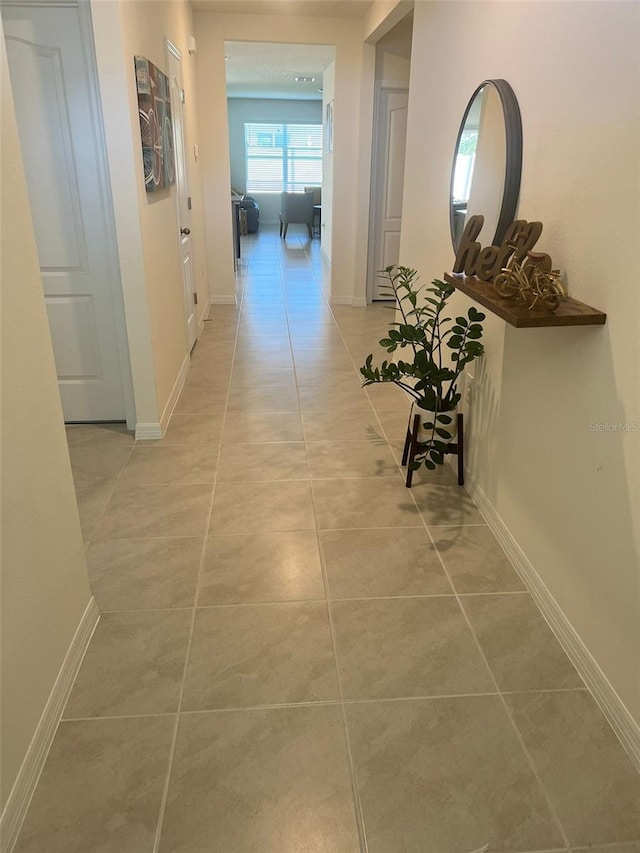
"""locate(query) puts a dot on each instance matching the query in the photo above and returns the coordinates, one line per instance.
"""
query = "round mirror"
(485, 178)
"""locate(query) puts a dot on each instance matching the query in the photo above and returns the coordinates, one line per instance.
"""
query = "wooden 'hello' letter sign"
(485, 264)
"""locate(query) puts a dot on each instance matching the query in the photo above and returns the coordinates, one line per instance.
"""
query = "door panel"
(390, 249)
(74, 334)
(70, 204)
(182, 194)
(388, 185)
(397, 140)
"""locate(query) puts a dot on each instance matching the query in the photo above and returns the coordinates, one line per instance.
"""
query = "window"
(465, 162)
(283, 157)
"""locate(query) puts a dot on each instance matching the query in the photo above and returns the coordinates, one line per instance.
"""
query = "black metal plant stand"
(412, 447)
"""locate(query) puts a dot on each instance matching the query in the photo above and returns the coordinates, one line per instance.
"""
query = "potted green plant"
(440, 349)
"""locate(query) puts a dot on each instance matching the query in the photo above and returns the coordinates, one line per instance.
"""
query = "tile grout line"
(501, 696)
(321, 703)
(305, 529)
(172, 750)
(280, 601)
(116, 480)
(289, 312)
(475, 638)
(357, 802)
(355, 793)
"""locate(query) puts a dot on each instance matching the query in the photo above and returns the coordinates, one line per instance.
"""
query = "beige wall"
(145, 23)
(147, 223)
(45, 589)
(393, 53)
(382, 15)
(351, 137)
(568, 495)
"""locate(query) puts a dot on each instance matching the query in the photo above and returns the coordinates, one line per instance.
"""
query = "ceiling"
(315, 8)
(267, 70)
(260, 70)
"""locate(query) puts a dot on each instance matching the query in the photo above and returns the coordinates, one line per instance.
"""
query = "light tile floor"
(296, 654)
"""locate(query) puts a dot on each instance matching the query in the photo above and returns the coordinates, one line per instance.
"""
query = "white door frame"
(377, 157)
(189, 292)
(102, 166)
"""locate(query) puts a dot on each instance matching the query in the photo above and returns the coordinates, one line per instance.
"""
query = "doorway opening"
(392, 72)
(278, 103)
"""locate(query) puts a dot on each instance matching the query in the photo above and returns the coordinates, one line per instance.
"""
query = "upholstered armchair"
(296, 207)
(317, 194)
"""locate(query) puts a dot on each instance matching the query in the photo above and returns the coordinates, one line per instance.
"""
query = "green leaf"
(430, 465)
(443, 433)
(444, 419)
(474, 314)
(413, 466)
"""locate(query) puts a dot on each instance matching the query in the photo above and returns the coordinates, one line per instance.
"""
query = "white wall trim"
(202, 322)
(396, 85)
(29, 773)
(113, 257)
(340, 300)
(611, 705)
(222, 300)
(359, 302)
(147, 431)
(165, 417)
(125, 172)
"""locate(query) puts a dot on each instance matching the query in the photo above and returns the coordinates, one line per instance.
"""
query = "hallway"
(296, 653)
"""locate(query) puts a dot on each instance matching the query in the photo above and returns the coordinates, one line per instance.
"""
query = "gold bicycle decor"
(529, 283)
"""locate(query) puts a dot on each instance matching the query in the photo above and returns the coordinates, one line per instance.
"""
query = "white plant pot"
(427, 416)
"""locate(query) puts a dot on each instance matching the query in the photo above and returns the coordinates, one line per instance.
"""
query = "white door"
(389, 154)
(52, 77)
(174, 71)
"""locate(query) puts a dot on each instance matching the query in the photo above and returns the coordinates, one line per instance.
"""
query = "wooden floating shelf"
(569, 313)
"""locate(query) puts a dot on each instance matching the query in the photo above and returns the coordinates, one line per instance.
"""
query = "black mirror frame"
(513, 165)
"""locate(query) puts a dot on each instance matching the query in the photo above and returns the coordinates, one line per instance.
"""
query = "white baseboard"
(359, 302)
(175, 392)
(147, 431)
(154, 430)
(29, 773)
(619, 717)
(340, 300)
(202, 322)
(223, 300)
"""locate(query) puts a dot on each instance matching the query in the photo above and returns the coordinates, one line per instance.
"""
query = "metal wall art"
(530, 285)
